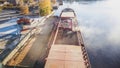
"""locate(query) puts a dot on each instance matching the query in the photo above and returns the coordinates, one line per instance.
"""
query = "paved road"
(38, 50)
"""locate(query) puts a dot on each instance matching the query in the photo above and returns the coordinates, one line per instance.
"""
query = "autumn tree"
(21, 2)
(31, 1)
(25, 1)
(53, 1)
(45, 7)
(24, 9)
(1, 7)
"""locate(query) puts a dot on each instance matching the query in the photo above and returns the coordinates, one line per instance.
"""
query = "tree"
(1, 7)
(21, 2)
(24, 9)
(45, 7)
(53, 1)
(31, 1)
(25, 1)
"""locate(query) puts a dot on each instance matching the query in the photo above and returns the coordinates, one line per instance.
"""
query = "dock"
(34, 50)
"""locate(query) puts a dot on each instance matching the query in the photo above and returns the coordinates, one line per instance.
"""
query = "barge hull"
(67, 49)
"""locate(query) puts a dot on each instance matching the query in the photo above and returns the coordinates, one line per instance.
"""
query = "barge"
(67, 48)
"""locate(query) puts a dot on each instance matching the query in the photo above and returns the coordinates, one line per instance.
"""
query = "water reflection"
(99, 22)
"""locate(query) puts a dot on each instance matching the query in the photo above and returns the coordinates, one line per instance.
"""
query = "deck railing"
(84, 52)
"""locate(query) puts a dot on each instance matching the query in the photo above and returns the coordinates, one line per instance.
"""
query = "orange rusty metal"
(65, 56)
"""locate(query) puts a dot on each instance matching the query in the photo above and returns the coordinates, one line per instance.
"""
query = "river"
(99, 21)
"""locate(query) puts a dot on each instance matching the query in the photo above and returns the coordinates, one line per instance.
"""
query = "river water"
(99, 22)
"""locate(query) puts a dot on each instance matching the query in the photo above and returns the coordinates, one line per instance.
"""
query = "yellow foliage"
(21, 2)
(45, 7)
(1, 7)
(24, 9)
(25, 1)
(31, 1)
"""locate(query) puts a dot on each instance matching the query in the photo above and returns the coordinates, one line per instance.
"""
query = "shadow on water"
(99, 23)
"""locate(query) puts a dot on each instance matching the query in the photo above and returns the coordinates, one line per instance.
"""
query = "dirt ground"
(39, 47)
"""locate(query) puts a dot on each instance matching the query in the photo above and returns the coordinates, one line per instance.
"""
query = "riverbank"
(27, 35)
(37, 51)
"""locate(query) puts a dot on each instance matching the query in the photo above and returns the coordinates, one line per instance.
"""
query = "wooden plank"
(16, 49)
(41, 20)
(16, 60)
